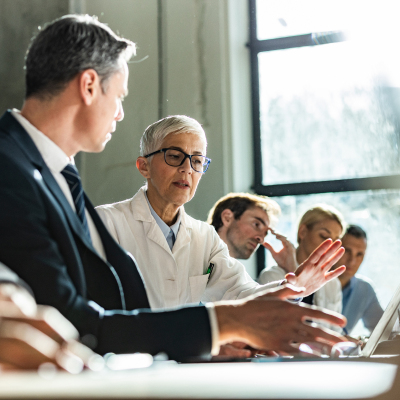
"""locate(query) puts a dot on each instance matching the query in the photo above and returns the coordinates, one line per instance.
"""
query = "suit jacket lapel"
(25, 142)
(124, 264)
(127, 274)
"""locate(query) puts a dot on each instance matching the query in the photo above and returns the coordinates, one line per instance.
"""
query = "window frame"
(257, 46)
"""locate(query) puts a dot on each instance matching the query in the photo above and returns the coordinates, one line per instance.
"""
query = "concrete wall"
(19, 20)
(195, 62)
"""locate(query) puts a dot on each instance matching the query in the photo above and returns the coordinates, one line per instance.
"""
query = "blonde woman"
(319, 223)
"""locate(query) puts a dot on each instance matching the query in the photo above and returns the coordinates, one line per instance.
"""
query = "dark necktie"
(73, 179)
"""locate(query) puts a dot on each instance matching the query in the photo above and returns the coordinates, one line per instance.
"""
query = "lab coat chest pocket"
(198, 286)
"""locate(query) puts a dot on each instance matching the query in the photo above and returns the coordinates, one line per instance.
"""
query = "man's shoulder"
(363, 281)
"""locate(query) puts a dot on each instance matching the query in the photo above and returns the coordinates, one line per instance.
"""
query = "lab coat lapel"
(184, 235)
(141, 212)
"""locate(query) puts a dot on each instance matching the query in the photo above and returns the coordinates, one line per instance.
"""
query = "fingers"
(25, 347)
(320, 334)
(334, 274)
(329, 252)
(333, 259)
(291, 278)
(59, 328)
(228, 350)
(320, 251)
(270, 248)
(47, 320)
(330, 317)
(19, 296)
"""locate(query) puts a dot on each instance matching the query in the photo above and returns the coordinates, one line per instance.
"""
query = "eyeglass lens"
(175, 159)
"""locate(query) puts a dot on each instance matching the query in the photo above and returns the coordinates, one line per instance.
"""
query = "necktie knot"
(71, 175)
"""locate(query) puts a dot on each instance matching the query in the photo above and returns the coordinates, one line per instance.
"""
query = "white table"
(277, 380)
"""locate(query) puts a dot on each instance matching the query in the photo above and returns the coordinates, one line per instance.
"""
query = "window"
(326, 114)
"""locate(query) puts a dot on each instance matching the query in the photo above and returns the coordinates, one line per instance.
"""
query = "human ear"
(142, 164)
(302, 232)
(89, 86)
(227, 217)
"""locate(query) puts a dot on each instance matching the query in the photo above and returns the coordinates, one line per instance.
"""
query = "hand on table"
(286, 257)
(31, 335)
(267, 323)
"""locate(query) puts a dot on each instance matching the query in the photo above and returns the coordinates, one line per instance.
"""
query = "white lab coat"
(177, 277)
(328, 296)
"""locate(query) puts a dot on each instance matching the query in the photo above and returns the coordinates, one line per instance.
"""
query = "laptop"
(384, 327)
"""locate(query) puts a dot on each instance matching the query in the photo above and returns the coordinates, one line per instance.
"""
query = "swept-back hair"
(69, 45)
(158, 131)
(238, 203)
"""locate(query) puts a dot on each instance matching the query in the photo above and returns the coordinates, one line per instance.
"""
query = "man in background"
(242, 220)
(359, 297)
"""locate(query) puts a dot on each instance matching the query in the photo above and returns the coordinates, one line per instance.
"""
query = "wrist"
(229, 325)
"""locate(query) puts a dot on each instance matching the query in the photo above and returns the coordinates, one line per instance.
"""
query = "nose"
(186, 167)
(260, 238)
(120, 113)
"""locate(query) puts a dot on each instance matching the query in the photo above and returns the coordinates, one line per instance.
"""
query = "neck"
(55, 119)
(166, 211)
(344, 280)
(222, 234)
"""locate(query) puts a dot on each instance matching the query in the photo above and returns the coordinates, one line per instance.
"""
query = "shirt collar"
(165, 229)
(350, 286)
(52, 155)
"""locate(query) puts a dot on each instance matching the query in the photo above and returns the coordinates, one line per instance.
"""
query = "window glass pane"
(377, 212)
(281, 18)
(330, 112)
(296, 17)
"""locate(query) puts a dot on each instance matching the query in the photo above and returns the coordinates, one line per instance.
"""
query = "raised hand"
(314, 272)
(286, 257)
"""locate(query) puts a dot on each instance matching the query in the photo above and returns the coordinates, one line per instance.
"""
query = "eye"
(198, 160)
(257, 224)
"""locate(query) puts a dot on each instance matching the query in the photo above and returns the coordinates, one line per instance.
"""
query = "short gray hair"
(69, 45)
(158, 131)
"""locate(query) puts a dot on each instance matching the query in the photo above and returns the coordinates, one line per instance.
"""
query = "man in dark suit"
(51, 236)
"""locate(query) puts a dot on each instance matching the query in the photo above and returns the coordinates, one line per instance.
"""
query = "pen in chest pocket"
(209, 271)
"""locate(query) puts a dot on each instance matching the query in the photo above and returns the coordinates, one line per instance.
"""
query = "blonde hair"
(320, 212)
(238, 203)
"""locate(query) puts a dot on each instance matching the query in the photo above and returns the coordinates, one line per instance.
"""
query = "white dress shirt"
(57, 160)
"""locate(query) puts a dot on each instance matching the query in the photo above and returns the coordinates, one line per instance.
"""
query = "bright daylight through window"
(326, 110)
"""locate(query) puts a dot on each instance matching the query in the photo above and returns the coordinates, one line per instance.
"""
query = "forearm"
(181, 333)
(229, 325)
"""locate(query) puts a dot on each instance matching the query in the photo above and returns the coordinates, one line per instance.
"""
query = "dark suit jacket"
(42, 240)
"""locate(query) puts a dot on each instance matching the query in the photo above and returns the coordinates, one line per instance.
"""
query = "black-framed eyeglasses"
(175, 158)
